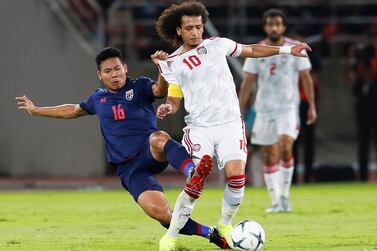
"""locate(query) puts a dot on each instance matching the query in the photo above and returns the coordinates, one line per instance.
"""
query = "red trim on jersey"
(185, 139)
(188, 137)
(187, 51)
(235, 49)
(286, 40)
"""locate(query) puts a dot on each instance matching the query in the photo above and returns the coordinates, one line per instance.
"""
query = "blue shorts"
(138, 174)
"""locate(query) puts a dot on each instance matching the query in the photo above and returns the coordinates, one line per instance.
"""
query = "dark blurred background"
(47, 52)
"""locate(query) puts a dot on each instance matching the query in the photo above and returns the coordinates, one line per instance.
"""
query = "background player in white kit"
(277, 102)
(198, 71)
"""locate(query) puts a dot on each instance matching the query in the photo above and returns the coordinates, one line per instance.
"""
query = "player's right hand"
(24, 103)
(163, 110)
(159, 55)
(299, 50)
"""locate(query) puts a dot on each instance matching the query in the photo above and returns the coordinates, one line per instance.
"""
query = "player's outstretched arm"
(66, 111)
(258, 50)
(170, 107)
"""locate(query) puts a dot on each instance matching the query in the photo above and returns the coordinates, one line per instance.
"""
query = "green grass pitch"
(325, 217)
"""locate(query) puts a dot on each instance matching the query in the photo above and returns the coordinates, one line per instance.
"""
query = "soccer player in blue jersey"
(133, 143)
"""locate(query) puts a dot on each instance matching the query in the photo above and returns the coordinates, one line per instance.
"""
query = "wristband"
(285, 50)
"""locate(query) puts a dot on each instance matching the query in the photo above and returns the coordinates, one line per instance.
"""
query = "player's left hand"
(159, 55)
(300, 49)
(312, 116)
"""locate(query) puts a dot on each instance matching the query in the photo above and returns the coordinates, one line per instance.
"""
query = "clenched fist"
(163, 110)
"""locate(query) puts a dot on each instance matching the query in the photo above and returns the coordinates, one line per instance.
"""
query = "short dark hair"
(171, 18)
(274, 13)
(106, 53)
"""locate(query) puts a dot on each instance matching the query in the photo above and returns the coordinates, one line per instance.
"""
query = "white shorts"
(227, 142)
(267, 128)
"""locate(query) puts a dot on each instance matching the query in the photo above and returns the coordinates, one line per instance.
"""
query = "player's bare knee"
(286, 152)
(158, 139)
(271, 158)
(234, 168)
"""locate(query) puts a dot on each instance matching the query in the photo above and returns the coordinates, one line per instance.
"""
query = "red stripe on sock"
(236, 181)
(235, 177)
(270, 169)
(287, 164)
(194, 196)
(184, 163)
(193, 193)
(199, 229)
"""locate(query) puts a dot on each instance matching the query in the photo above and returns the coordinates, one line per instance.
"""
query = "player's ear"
(264, 28)
(99, 75)
(178, 29)
(125, 68)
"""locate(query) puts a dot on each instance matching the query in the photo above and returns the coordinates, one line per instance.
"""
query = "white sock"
(232, 198)
(286, 173)
(272, 180)
(182, 211)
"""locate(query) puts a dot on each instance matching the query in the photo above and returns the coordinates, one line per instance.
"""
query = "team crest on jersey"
(103, 100)
(130, 94)
(169, 63)
(201, 50)
(196, 147)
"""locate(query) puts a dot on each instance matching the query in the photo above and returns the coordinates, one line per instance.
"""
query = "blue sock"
(193, 228)
(178, 157)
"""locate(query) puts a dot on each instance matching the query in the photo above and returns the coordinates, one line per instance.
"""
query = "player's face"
(191, 30)
(113, 74)
(274, 28)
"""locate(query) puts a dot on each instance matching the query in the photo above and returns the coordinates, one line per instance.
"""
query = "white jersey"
(277, 80)
(205, 80)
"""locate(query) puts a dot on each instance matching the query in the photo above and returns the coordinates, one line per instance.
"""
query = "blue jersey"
(127, 117)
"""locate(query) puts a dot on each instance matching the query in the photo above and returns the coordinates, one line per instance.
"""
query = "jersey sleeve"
(251, 66)
(166, 72)
(88, 105)
(144, 86)
(230, 47)
(303, 63)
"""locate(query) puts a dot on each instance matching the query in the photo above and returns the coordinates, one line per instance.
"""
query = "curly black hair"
(171, 18)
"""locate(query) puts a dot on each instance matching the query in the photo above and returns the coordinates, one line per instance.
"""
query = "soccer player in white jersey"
(277, 123)
(198, 71)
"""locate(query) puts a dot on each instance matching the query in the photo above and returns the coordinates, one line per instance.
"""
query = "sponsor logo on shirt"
(169, 63)
(201, 50)
(130, 94)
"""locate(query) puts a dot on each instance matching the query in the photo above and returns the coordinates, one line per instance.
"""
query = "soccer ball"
(248, 235)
